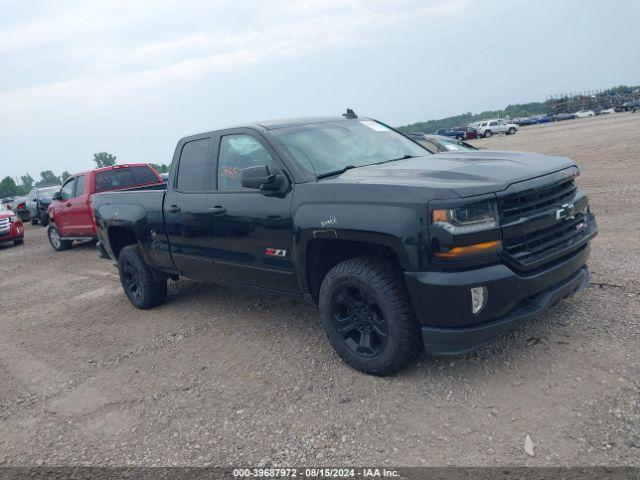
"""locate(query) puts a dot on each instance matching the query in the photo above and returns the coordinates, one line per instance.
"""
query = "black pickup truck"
(401, 249)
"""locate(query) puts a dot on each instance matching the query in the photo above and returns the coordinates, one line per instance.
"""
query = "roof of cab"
(296, 122)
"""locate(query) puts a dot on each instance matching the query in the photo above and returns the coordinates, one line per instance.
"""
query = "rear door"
(80, 220)
(187, 219)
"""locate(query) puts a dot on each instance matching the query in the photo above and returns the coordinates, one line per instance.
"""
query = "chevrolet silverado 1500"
(403, 250)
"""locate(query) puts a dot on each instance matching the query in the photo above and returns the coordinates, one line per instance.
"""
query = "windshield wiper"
(336, 172)
(404, 157)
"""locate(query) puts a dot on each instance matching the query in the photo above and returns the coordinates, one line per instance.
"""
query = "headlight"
(468, 219)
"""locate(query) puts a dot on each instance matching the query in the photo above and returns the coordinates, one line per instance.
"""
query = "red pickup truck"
(70, 213)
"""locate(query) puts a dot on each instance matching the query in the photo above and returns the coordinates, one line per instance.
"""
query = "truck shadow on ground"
(300, 322)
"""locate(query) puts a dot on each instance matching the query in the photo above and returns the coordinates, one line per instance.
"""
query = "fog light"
(478, 299)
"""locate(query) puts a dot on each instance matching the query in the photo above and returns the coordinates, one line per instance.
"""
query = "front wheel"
(138, 282)
(368, 317)
(18, 241)
(512, 131)
(488, 133)
(44, 219)
(55, 239)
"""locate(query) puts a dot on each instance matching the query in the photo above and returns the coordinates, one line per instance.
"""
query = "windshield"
(322, 148)
(47, 192)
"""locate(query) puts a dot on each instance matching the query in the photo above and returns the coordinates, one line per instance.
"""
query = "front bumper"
(442, 301)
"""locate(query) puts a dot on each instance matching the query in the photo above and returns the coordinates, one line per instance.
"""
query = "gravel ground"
(231, 376)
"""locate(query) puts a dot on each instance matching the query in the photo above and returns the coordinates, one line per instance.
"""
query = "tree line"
(10, 187)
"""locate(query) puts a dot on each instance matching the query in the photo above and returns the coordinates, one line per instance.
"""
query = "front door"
(78, 211)
(63, 209)
(186, 216)
(251, 231)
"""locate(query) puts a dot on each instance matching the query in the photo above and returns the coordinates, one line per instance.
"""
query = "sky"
(133, 77)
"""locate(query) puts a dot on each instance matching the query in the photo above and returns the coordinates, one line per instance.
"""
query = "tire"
(488, 133)
(34, 221)
(44, 219)
(368, 317)
(460, 137)
(511, 131)
(56, 241)
(18, 241)
(138, 282)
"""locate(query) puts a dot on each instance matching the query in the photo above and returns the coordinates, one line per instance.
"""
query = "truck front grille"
(529, 250)
(5, 226)
(536, 247)
(528, 202)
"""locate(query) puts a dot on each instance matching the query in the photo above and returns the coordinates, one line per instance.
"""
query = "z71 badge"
(275, 252)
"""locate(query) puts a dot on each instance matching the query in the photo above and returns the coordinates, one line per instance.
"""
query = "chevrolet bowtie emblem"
(566, 211)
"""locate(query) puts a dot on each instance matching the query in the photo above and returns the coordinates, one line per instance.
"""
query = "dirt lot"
(231, 376)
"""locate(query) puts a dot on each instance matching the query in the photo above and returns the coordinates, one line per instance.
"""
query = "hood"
(465, 173)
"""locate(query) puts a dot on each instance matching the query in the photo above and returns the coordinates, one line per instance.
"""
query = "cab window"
(193, 165)
(238, 152)
(68, 189)
(79, 185)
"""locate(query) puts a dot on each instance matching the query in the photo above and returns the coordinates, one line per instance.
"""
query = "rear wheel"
(512, 131)
(138, 282)
(368, 317)
(56, 239)
(488, 133)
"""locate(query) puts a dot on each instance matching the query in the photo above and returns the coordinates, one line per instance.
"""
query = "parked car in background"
(524, 121)
(585, 113)
(8, 202)
(606, 111)
(563, 116)
(632, 105)
(492, 127)
(70, 213)
(460, 133)
(38, 203)
(164, 177)
(20, 207)
(542, 118)
(11, 227)
(439, 143)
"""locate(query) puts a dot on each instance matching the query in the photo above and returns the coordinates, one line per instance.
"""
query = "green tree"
(8, 187)
(26, 183)
(104, 159)
(48, 178)
(160, 167)
(65, 175)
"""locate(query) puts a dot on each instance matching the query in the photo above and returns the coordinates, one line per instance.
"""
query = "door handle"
(174, 209)
(217, 210)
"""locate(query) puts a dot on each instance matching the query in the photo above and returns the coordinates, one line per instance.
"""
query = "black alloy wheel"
(359, 320)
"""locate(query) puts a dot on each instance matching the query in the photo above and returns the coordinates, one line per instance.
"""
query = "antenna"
(350, 114)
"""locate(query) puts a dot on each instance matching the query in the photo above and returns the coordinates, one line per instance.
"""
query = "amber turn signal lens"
(456, 252)
(439, 216)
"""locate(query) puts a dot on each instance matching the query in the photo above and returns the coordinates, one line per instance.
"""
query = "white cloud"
(90, 36)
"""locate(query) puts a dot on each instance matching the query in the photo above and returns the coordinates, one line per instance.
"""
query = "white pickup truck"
(491, 127)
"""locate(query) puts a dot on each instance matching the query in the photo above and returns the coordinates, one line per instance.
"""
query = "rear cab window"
(119, 178)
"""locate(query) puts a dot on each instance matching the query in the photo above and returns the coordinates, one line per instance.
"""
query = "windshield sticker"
(374, 126)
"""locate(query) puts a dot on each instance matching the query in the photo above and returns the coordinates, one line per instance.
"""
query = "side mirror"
(57, 195)
(261, 178)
